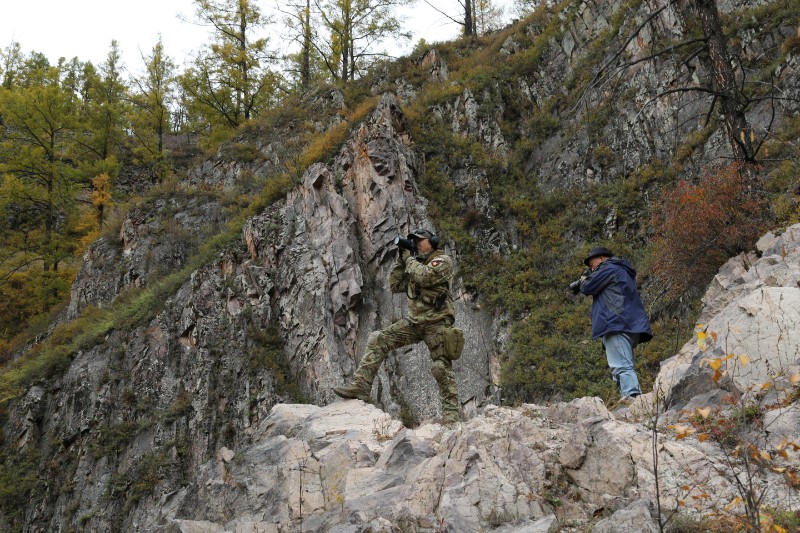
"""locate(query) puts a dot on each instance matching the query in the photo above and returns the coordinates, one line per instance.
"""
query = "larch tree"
(356, 29)
(306, 65)
(487, 15)
(722, 78)
(10, 65)
(466, 19)
(153, 94)
(41, 181)
(106, 108)
(230, 81)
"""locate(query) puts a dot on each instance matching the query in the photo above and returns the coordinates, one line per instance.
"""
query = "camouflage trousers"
(403, 333)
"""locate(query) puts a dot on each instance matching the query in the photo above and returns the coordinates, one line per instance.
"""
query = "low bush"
(700, 225)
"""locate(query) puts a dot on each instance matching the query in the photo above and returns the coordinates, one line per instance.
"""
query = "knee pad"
(439, 371)
(374, 338)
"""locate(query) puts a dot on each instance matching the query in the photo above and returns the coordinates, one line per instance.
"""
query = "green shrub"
(18, 482)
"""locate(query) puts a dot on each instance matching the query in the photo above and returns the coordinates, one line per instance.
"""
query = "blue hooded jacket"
(616, 305)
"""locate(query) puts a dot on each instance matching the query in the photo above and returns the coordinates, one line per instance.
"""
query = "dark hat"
(421, 234)
(597, 252)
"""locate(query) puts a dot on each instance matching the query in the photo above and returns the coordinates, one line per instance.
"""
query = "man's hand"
(402, 255)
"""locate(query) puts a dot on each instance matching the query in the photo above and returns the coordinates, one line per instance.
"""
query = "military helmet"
(425, 234)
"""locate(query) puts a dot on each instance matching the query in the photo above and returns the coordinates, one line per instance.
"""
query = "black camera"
(575, 286)
(409, 244)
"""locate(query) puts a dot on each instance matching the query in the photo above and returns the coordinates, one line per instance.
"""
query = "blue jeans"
(619, 352)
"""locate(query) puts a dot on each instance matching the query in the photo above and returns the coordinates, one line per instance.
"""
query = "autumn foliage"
(699, 225)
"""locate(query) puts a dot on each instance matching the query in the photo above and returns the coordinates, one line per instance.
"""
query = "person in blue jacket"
(618, 315)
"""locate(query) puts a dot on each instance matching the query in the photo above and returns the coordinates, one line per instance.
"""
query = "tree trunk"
(244, 93)
(723, 79)
(305, 65)
(469, 24)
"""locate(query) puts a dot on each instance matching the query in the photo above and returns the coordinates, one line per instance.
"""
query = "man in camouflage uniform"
(426, 281)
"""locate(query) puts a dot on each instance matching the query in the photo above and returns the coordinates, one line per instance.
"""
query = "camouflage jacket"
(426, 281)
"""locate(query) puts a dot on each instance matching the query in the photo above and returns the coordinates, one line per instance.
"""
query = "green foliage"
(137, 482)
(354, 27)
(181, 407)
(18, 481)
(265, 352)
(229, 81)
(150, 116)
(241, 152)
(113, 439)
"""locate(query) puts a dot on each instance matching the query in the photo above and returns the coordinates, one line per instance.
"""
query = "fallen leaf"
(735, 501)
(702, 437)
(715, 363)
(795, 380)
(744, 359)
(704, 412)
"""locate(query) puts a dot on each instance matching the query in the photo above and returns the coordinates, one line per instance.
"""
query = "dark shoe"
(353, 392)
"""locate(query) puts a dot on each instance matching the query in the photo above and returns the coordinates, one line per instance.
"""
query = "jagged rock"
(501, 471)
(328, 248)
(435, 64)
(635, 518)
(750, 310)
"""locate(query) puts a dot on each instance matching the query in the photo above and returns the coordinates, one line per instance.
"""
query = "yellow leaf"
(701, 335)
(744, 360)
(795, 380)
(704, 412)
(715, 363)
(778, 469)
(735, 501)
(681, 431)
(778, 529)
(702, 437)
(766, 456)
(765, 386)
